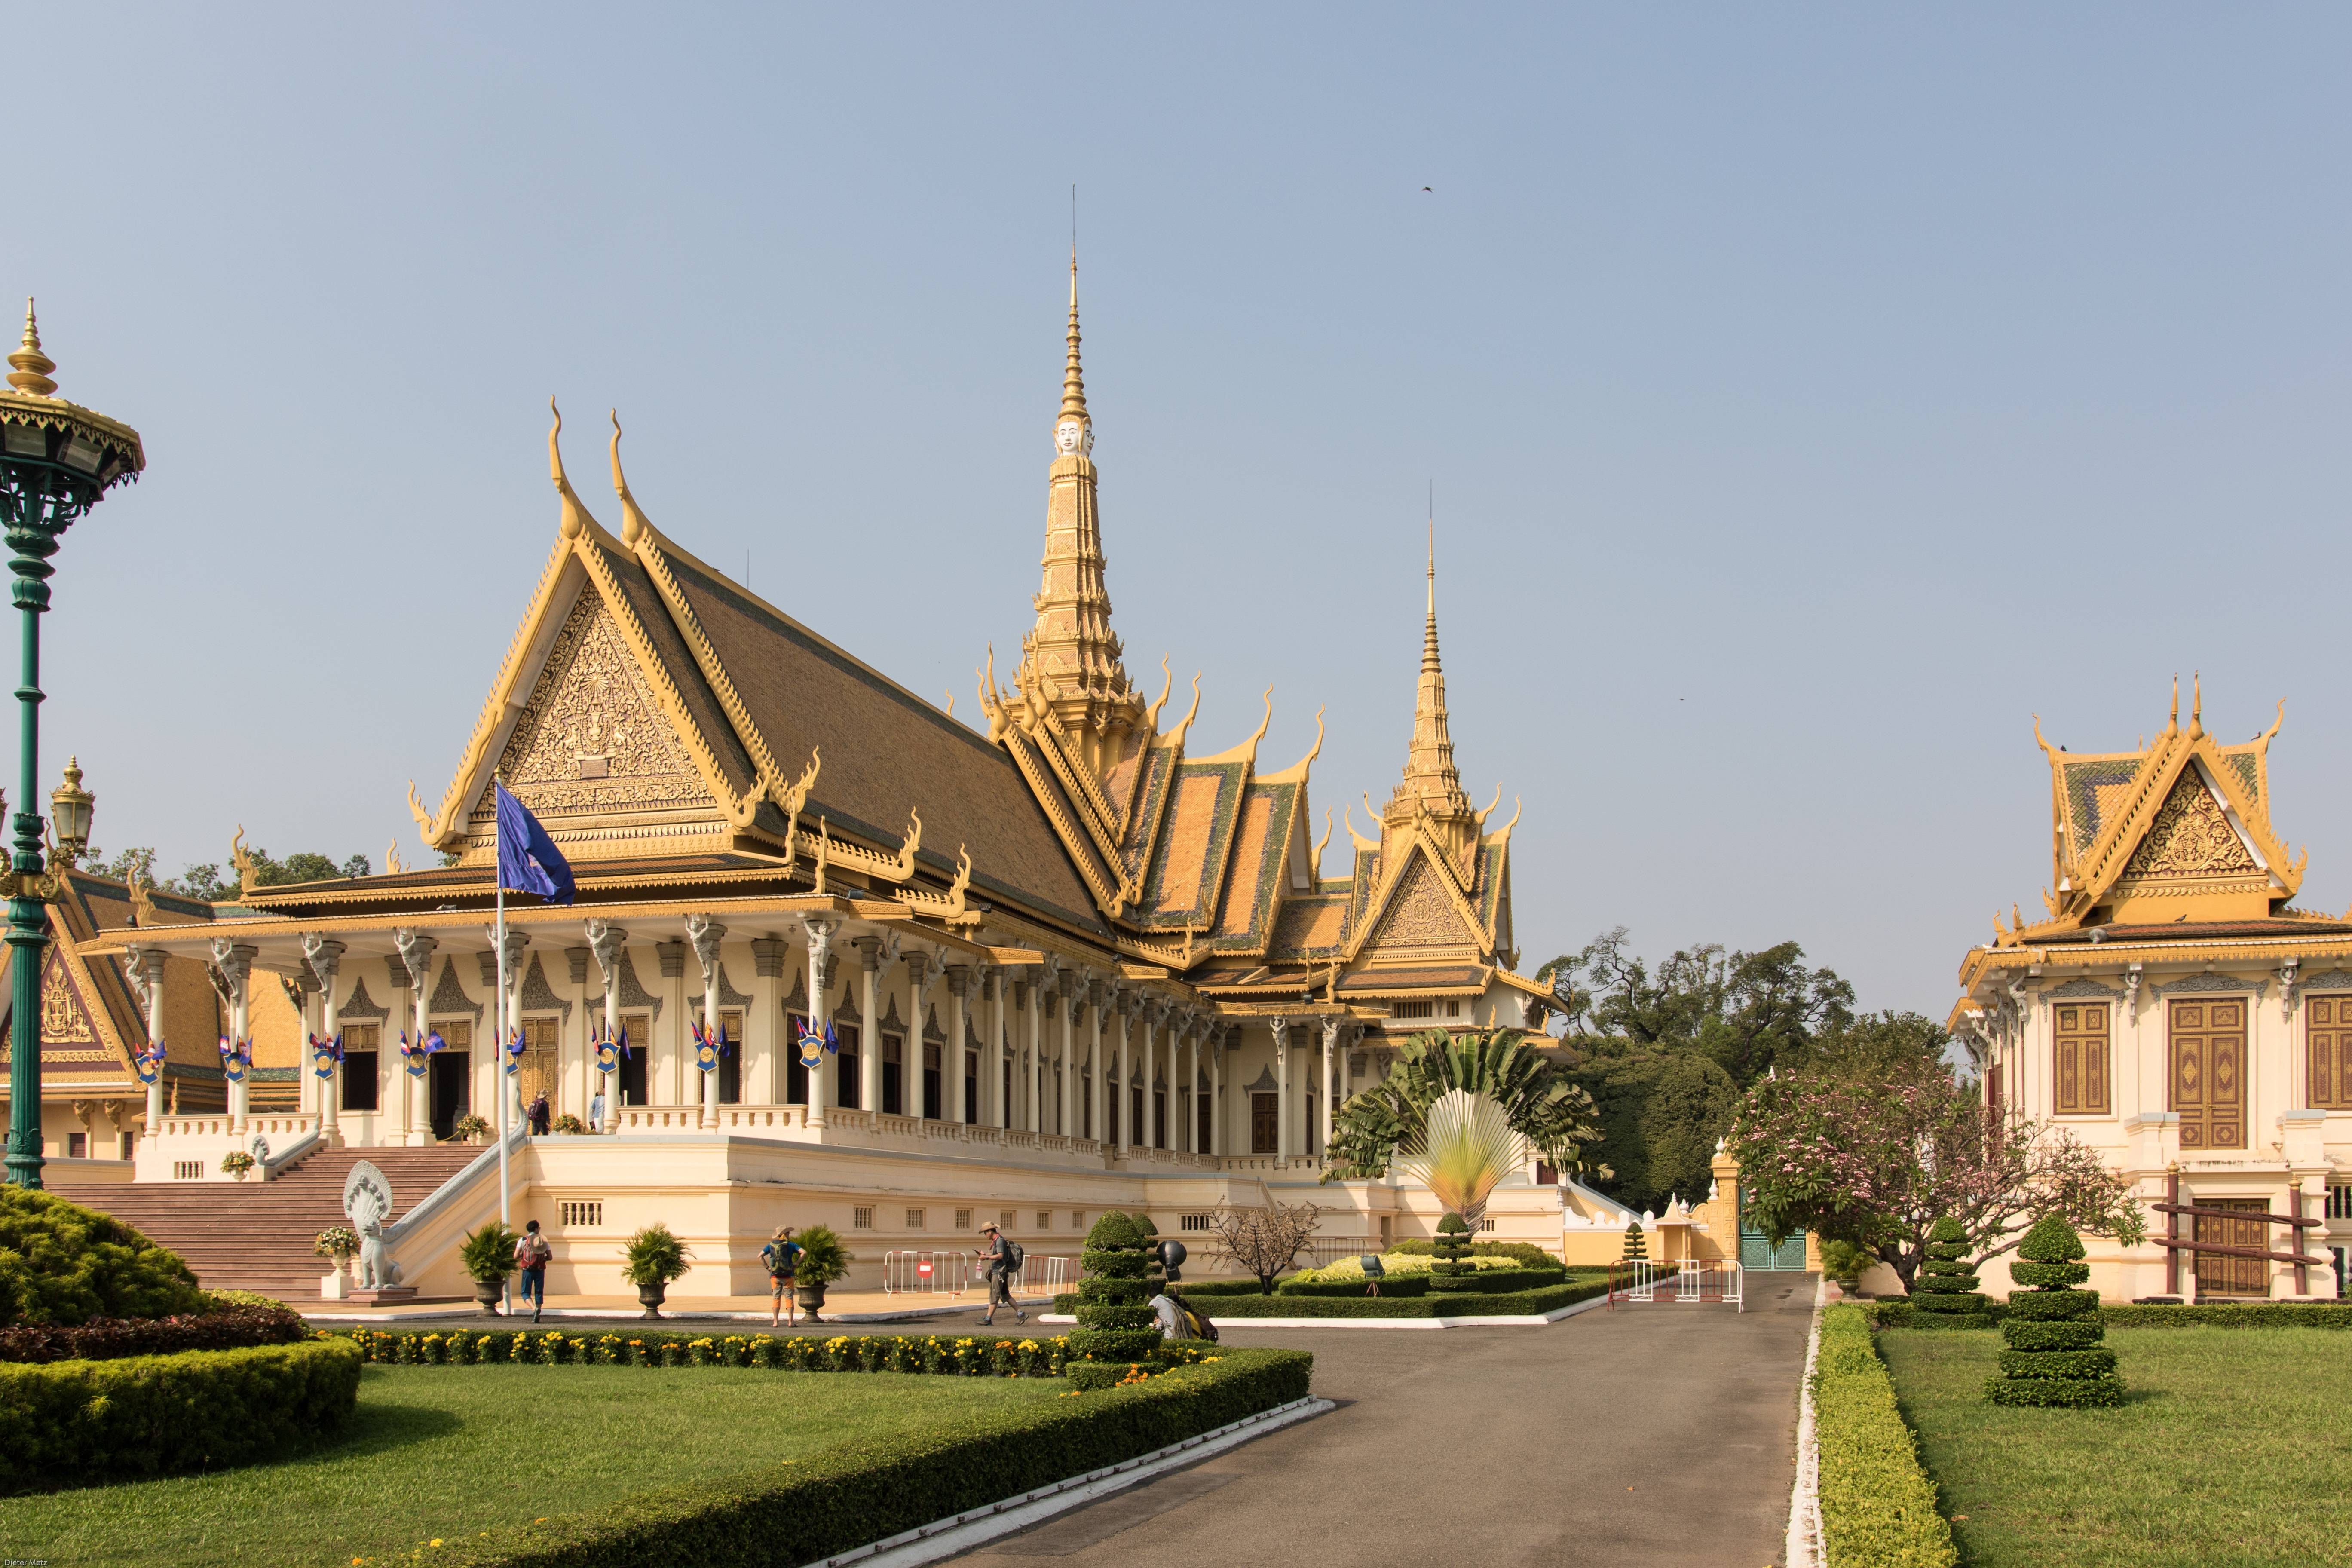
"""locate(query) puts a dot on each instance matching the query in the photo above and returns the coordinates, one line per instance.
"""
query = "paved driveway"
(1660, 1435)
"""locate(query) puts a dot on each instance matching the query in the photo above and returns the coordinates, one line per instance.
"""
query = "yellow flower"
(435, 1542)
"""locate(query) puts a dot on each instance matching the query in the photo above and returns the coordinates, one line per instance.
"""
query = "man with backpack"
(531, 1255)
(781, 1259)
(1002, 1256)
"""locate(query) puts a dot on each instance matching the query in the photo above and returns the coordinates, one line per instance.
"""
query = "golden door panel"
(2208, 1057)
(538, 1066)
(2225, 1275)
(2079, 1075)
(2327, 1025)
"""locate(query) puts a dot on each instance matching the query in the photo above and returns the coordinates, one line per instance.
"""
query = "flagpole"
(499, 1015)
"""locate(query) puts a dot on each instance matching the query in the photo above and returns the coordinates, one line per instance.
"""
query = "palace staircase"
(257, 1236)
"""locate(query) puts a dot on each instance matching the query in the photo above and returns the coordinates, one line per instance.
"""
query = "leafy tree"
(1878, 1159)
(1541, 1104)
(212, 883)
(1748, 1011)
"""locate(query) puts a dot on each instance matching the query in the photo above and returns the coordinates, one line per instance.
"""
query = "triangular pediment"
(2190, 836)
(1424, 909)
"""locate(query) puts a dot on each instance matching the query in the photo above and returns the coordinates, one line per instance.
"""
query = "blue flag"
(528, 861)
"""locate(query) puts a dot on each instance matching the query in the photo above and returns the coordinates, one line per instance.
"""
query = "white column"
(1099, 994)
(1282, 1087)
(1216, 1044)
(234, 961)
(1323, 1106)
(576, 1060)
(417, 954)
(993, 1110)
(1127, 1077)
(764, 1061)
(820, 1080)
(511, 1004)
(706, 934)
(1066, 1008)
(952, 1060)
(326, 960)
(606, 942)
(146, 970)
(1036, 998)
(1191, 1094)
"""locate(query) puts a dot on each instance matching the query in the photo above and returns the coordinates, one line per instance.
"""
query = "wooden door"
(2327, 1025)
(1265, 1123)
(2221, 1275)
(2209, 1073)
(2079, 1038)
(537, 1070)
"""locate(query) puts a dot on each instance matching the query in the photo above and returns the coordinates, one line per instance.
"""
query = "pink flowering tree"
(1876, 1160)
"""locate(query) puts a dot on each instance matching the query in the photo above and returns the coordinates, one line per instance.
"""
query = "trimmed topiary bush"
(2053, 1332)
(61, 1263)
(1945, 1294)
(1637, 1246)
(1453, 1272)
(1115, 1325)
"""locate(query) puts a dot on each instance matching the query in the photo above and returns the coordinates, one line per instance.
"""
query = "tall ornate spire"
(32, 366)
(1431, 782)
(1071, 659)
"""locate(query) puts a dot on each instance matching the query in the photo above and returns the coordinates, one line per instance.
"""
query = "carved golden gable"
(1421, 914)
(2192, 837)
(593, 747)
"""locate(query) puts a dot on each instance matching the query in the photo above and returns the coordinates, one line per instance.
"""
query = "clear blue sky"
(1811, 396)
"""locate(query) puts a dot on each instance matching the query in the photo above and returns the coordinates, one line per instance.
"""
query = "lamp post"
(58, 460)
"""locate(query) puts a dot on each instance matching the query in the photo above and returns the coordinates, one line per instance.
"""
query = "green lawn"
(441, 1451)
(2232, 1449)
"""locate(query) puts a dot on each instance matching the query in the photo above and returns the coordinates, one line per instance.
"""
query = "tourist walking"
(1002, 1258)
(781, 1259)
(531, 1255)
(539, 1115)
(596, 1112)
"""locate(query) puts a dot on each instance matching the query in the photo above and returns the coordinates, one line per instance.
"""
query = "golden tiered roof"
(2175, 830)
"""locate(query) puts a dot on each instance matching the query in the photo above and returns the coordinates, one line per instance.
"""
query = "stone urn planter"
(811, 1298)
(652, 1297)
(487, 1294)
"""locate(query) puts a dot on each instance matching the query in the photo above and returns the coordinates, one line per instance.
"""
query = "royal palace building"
(1068, 958)
(2174, 1011)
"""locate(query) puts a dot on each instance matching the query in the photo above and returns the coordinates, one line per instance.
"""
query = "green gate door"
(1756, 1251)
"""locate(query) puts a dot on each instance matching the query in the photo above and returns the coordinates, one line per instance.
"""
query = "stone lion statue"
(377, 1272)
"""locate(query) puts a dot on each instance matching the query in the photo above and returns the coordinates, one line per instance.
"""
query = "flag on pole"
(528, 861)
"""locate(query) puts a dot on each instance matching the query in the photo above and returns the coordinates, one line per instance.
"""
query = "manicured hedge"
(845, 1496)
(103, 1339)
(1514, 1304)
(1490, 1282)
(960, 1355)
(2218, 1315)
(133, 1416)
(1878, 1507)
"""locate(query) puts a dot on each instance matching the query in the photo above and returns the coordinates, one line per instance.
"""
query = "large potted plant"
(488, 1255)
(339, 1244)
(823, 1260)
(471, 1129)
(655, 1258)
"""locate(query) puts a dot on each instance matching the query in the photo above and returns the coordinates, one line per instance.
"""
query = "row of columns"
(1337, 1035)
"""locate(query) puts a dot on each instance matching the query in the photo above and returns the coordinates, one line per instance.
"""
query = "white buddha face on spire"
(1072, 436)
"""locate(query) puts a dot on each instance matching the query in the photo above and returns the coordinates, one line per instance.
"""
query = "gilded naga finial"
(2196, 704)
(31, 374)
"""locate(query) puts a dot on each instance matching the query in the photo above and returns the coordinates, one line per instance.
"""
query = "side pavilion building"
(1069, 961)
(2174, 1011)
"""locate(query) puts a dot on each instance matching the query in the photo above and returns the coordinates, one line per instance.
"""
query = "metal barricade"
(1641, 1281)
(1042, 1276)
(919, 1271)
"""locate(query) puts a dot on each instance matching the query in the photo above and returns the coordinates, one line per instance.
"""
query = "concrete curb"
(1805, 1548)
(1553, 1316)
(976, 1527)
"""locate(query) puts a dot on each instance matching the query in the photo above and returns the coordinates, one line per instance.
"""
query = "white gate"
(1638, 1281)
(911, 1271)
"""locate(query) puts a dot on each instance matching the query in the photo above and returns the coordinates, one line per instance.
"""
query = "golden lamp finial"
(32, 366)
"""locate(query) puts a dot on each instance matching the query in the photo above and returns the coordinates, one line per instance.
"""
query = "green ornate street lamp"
(58, 460)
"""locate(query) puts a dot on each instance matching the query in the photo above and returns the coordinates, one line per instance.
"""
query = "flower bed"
(85, 1420)
(956, 1355)
(105, 1338)
(1878, 1507)
(809, 1510)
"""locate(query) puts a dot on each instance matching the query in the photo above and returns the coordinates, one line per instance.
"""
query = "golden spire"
(33, 366)
(1074, 380)
(1431, 781)
(1071, 660)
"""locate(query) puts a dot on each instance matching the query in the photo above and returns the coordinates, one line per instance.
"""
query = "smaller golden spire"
(33, 366)
(1074, 381)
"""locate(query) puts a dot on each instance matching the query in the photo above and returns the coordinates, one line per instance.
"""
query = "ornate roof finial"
(2173, 723)
(32, 366)
(1074, 382)
(2196, 704)
(1431, 782)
